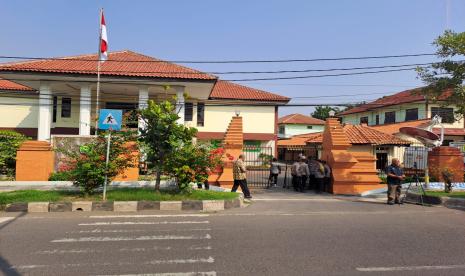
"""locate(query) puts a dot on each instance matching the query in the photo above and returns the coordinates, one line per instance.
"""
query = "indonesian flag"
(103, 51)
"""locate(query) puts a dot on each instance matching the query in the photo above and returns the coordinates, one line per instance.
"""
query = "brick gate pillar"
(442, 158)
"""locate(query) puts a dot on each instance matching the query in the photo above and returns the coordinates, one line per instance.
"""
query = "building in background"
(296, 124)
(41, 98)
(363, 138)
(409, 107)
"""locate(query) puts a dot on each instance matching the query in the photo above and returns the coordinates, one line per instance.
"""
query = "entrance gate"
(257, 161)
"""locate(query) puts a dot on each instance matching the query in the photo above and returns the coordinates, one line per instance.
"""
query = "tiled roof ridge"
(305, 119)
(272, 96)
(112, 57)
(369, 106)
(290, 116)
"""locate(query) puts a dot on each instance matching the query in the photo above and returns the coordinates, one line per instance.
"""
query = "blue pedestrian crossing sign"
(110, 119)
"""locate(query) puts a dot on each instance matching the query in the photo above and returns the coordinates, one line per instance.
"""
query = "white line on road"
(208, 260)
(122, 249)
(409, 268)
(140, 238)
(5, 219)
(209, 273)
(143, 223)
(138, 230)
(151, 216)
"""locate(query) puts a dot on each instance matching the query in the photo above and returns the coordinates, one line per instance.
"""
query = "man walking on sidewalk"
(240, 178)
(395, 175)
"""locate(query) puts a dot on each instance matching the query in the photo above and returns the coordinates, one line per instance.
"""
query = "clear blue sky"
(245, 29)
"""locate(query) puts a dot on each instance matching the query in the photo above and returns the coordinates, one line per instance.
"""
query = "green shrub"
(9, 144)
(61, 176)
(88, 163)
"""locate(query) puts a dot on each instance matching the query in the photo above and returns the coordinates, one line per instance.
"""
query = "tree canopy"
(448, 75)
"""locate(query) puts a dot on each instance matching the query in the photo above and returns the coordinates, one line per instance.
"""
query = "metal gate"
(257, 160)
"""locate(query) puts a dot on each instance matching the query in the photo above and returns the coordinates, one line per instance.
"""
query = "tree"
(322, 112)
(86, 166)
(9, 144)
(448, 74)
(163, 136)
(192, 163)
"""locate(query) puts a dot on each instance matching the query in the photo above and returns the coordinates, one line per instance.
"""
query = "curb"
(125, 206)
(449, 202)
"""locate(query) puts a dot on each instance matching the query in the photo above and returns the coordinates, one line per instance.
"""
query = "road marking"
(151, 216)
(208, 260)
(140, 238)
(138, 230)
(209, 273)
(122, 249)
(409, 268)
(5, 219)
(143, 223)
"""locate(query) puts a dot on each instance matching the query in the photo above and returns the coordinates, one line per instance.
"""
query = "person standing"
(275, 170)
(319, 176)
(240, 178)
(295, 175)
(395, 175)
(327, 179)
(312, 166)
(304, 173)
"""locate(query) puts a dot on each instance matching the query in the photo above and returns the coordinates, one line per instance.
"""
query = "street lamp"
(238, 112)
(332, 113)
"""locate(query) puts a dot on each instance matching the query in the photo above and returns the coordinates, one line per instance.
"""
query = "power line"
(245, 80)
(223, 61)
(221, 73)
(323, 76)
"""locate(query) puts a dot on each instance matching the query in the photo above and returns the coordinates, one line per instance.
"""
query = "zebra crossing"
(127, 245)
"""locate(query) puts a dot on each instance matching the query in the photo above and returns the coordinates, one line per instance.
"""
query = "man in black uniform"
(395, 175)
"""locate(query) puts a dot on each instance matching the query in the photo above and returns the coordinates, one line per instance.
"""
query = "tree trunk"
(158, 179)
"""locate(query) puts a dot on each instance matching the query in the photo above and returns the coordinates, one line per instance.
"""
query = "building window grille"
(65, 107)
(390, 117)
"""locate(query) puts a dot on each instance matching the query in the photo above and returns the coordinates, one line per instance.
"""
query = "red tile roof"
(394, 127)
(407, 96)
(13, 86)
(300, 119)
(298, 140)
(137, 65)
(357, 135)
(362, 134)
(450, 131)
(232, 91)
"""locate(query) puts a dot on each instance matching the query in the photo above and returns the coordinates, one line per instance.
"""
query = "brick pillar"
(352, 172)
(233, 143)
(34, 161)
(441, 158)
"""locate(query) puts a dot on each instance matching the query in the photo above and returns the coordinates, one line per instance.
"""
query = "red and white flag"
(103, 51)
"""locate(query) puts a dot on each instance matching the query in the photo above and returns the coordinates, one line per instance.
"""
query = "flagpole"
(98, 72)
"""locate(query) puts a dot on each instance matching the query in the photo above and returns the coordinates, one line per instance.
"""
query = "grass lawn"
(122, 194)
(442, 193)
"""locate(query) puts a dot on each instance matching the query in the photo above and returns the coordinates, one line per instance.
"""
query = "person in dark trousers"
(240, 178)
(319, 176)
(327, 179)
(395, 175)
(275, 170)
(304, 173)
(312, 167)
(295, 175)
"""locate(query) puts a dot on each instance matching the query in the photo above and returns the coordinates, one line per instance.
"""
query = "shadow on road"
(5, 266)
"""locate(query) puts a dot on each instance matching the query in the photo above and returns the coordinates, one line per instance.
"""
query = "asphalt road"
(278, 234)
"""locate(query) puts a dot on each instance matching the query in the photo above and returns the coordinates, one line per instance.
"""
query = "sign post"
(109, 119)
